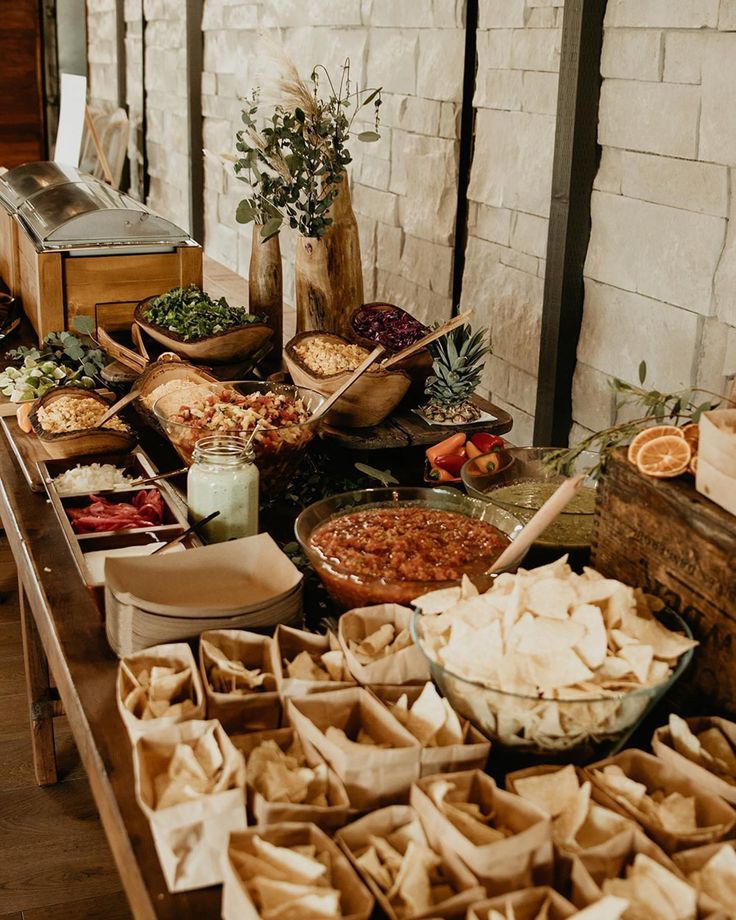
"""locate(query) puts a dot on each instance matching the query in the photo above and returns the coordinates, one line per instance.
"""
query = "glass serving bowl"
(350, 590)
(277, 450)
(524, 482)
(589, 729)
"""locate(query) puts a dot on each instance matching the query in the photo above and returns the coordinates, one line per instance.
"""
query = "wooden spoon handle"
(535, 527)
(358, 372)
(116, 407)
(437, 333)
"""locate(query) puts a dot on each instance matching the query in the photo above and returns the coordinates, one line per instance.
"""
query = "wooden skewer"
(535, 527)
(358, 372)
(437, 333)
(116, 407)
(195, 528)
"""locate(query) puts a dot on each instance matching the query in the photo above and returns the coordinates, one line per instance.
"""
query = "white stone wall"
(661, 265)
(167, 133)
(404, 186)
(102, 79)
(509, 193)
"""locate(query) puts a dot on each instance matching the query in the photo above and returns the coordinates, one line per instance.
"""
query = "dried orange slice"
(649, 434)
(693, 465)
(691, 433)
(664, 456)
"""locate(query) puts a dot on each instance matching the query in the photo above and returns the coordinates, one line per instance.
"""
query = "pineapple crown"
(457, 365)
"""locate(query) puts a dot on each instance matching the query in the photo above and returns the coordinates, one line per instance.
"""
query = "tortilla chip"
(717, 878)
(566, 825)
(303, 870)
(304, 667)
(608, 908)
(552, 792)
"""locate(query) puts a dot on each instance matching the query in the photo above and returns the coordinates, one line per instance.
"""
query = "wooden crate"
(9, 252)
(56, 286)
(664, 536)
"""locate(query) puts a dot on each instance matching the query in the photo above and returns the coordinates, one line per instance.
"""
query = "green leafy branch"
(683, 406)
(295, 160)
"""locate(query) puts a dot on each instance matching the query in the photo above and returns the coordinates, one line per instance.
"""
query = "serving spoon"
(358, 372)
(115, 408)
(539, 522)
(432, 336)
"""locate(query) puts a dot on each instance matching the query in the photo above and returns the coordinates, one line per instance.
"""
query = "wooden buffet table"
(64, 644)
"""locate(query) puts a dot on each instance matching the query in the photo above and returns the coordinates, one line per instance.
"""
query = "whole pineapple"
(456, 371)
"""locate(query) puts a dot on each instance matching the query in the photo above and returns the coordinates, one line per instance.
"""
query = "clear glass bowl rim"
(506, 504)
(651, 691)
(288, 388)
(388, 491)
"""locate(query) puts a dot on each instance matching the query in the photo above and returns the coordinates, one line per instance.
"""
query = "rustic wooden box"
(9, 252)
(57, 286)
(665, 537)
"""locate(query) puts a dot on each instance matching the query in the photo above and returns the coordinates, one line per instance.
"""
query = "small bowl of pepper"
(445, 460)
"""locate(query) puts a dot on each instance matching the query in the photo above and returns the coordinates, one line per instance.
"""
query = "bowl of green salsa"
(524, 484)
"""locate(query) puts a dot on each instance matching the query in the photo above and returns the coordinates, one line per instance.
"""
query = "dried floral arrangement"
(294, 158)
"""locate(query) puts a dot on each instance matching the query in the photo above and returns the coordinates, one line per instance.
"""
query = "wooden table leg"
(39, 697)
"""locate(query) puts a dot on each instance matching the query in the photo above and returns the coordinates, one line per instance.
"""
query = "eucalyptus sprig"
(683, 406)
(295, 160)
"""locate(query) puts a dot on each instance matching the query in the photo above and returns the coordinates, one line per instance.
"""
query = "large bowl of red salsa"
(391, 545)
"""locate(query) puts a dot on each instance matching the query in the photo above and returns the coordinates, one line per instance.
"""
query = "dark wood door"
(21, 95)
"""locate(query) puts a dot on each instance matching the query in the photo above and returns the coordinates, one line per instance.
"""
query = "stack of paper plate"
(244, 584)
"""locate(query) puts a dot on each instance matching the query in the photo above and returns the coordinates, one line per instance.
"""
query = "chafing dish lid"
(21, 182)
(90, 213)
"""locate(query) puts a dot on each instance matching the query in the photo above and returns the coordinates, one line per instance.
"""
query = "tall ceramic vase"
(329, 271)
(265, 290)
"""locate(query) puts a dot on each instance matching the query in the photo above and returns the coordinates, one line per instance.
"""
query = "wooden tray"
(27, 450)
(404, 428)
(137, 462)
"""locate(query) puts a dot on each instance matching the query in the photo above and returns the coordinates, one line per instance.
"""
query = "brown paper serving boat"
(373, 776)
(241, 712)
(715, 818)
(191, 836)
(709, 782)
(64, 444)
(221, 348)
(262, 811)
(521, 860)
(290, 642)
(242, 584)
(174, 655)
(356, 902)
(356, 837)
(472, 754)
(407, 666)
(368, 402)
(526, 905)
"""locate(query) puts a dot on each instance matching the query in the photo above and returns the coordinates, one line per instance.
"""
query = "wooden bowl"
(418, 366)
(222, 348)
(167, 368)
(371, 398)
(65, 444)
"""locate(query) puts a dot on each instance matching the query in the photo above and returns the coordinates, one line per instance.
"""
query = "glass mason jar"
(224, 478)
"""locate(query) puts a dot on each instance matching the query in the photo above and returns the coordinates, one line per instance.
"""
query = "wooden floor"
(54, 859)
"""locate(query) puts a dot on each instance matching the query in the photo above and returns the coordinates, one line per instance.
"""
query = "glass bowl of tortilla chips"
(551, 664)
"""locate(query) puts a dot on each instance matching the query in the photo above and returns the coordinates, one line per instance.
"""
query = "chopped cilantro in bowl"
(193, 314)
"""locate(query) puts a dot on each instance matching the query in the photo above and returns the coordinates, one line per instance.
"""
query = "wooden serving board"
(404, 428)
